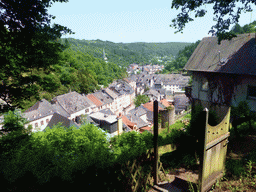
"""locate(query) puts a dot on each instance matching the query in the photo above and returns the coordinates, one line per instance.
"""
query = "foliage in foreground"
(62, 155)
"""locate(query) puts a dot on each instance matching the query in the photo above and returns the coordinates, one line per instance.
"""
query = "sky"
(132, 21)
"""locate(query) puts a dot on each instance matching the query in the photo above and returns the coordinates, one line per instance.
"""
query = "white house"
(39, 115)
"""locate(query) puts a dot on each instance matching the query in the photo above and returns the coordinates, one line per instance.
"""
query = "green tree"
(226, 13)
(182, 58)
(28, 44)
(141, 99)
(13, 134)
(237, 29)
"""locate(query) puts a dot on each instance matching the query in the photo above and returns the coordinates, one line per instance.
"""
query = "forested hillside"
(181, 59)
(124, 54)
(248, 28)
(77, 71)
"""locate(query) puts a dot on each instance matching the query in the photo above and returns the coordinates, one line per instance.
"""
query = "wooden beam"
(155, 142)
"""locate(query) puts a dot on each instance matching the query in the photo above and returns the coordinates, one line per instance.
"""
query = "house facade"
(223, 74)
(39, 115)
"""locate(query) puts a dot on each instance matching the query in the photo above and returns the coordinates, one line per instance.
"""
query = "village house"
(167, 115)
(108, 121)
(131, 126)
(115, 106)
(141, 125)
(96, 102)
(73, 103)
(126, 95)
(58, 118)
(140, 112)
(104, 98)
(40, 114)
(223, 74)
(153, 95)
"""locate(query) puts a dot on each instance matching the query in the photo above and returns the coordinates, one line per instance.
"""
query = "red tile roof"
(94, 99)
(165, 102)
(142, 129)
(150, 106)
(127, 122)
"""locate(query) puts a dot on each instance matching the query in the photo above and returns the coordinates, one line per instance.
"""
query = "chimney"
(120, 125)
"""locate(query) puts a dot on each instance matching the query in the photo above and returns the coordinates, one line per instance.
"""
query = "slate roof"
(103, 97)
(127, 122)
(152, 92)
(71, 102)
(56, 118)
(104, 117)
(135, 119)
(59, 109)
(123, 88)
(139, 111)
(90, 120)
(96, 101)
(115, 90)
(166, 79)
(41, 109)
(111, 93)
(180, 102)
(237, 56)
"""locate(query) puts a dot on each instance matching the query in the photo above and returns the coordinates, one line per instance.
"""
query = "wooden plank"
(218, 140)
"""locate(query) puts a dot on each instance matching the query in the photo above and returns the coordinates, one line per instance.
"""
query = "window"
(47, 120)
(204, 86)
(86, 110)
(42, 122)
(251, 92)
(36, 124)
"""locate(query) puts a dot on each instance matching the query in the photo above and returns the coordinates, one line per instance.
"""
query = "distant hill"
(125, 53)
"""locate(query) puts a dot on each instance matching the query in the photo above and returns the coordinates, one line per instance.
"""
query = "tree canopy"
(182, 58)
(141, 99)
(28, 44)
(226, 13)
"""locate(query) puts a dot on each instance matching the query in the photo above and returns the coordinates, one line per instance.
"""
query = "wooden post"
(202, 146)
(155, 142)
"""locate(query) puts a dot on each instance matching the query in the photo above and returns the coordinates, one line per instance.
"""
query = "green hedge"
(70, 155)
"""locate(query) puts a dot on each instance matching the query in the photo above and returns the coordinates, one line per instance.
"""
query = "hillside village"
(112, 108)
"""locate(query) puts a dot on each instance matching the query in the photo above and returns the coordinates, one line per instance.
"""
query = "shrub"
(235, 168)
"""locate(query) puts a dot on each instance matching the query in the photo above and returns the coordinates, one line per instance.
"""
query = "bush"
(37, 155)
(235, 168)
(197, 121)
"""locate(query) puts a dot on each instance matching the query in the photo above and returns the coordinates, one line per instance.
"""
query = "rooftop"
(104, 117)
(41, 109)
(96, 101)
(71, 102)
(237, 56)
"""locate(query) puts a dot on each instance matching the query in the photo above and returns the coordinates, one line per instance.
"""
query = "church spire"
(104, 55)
